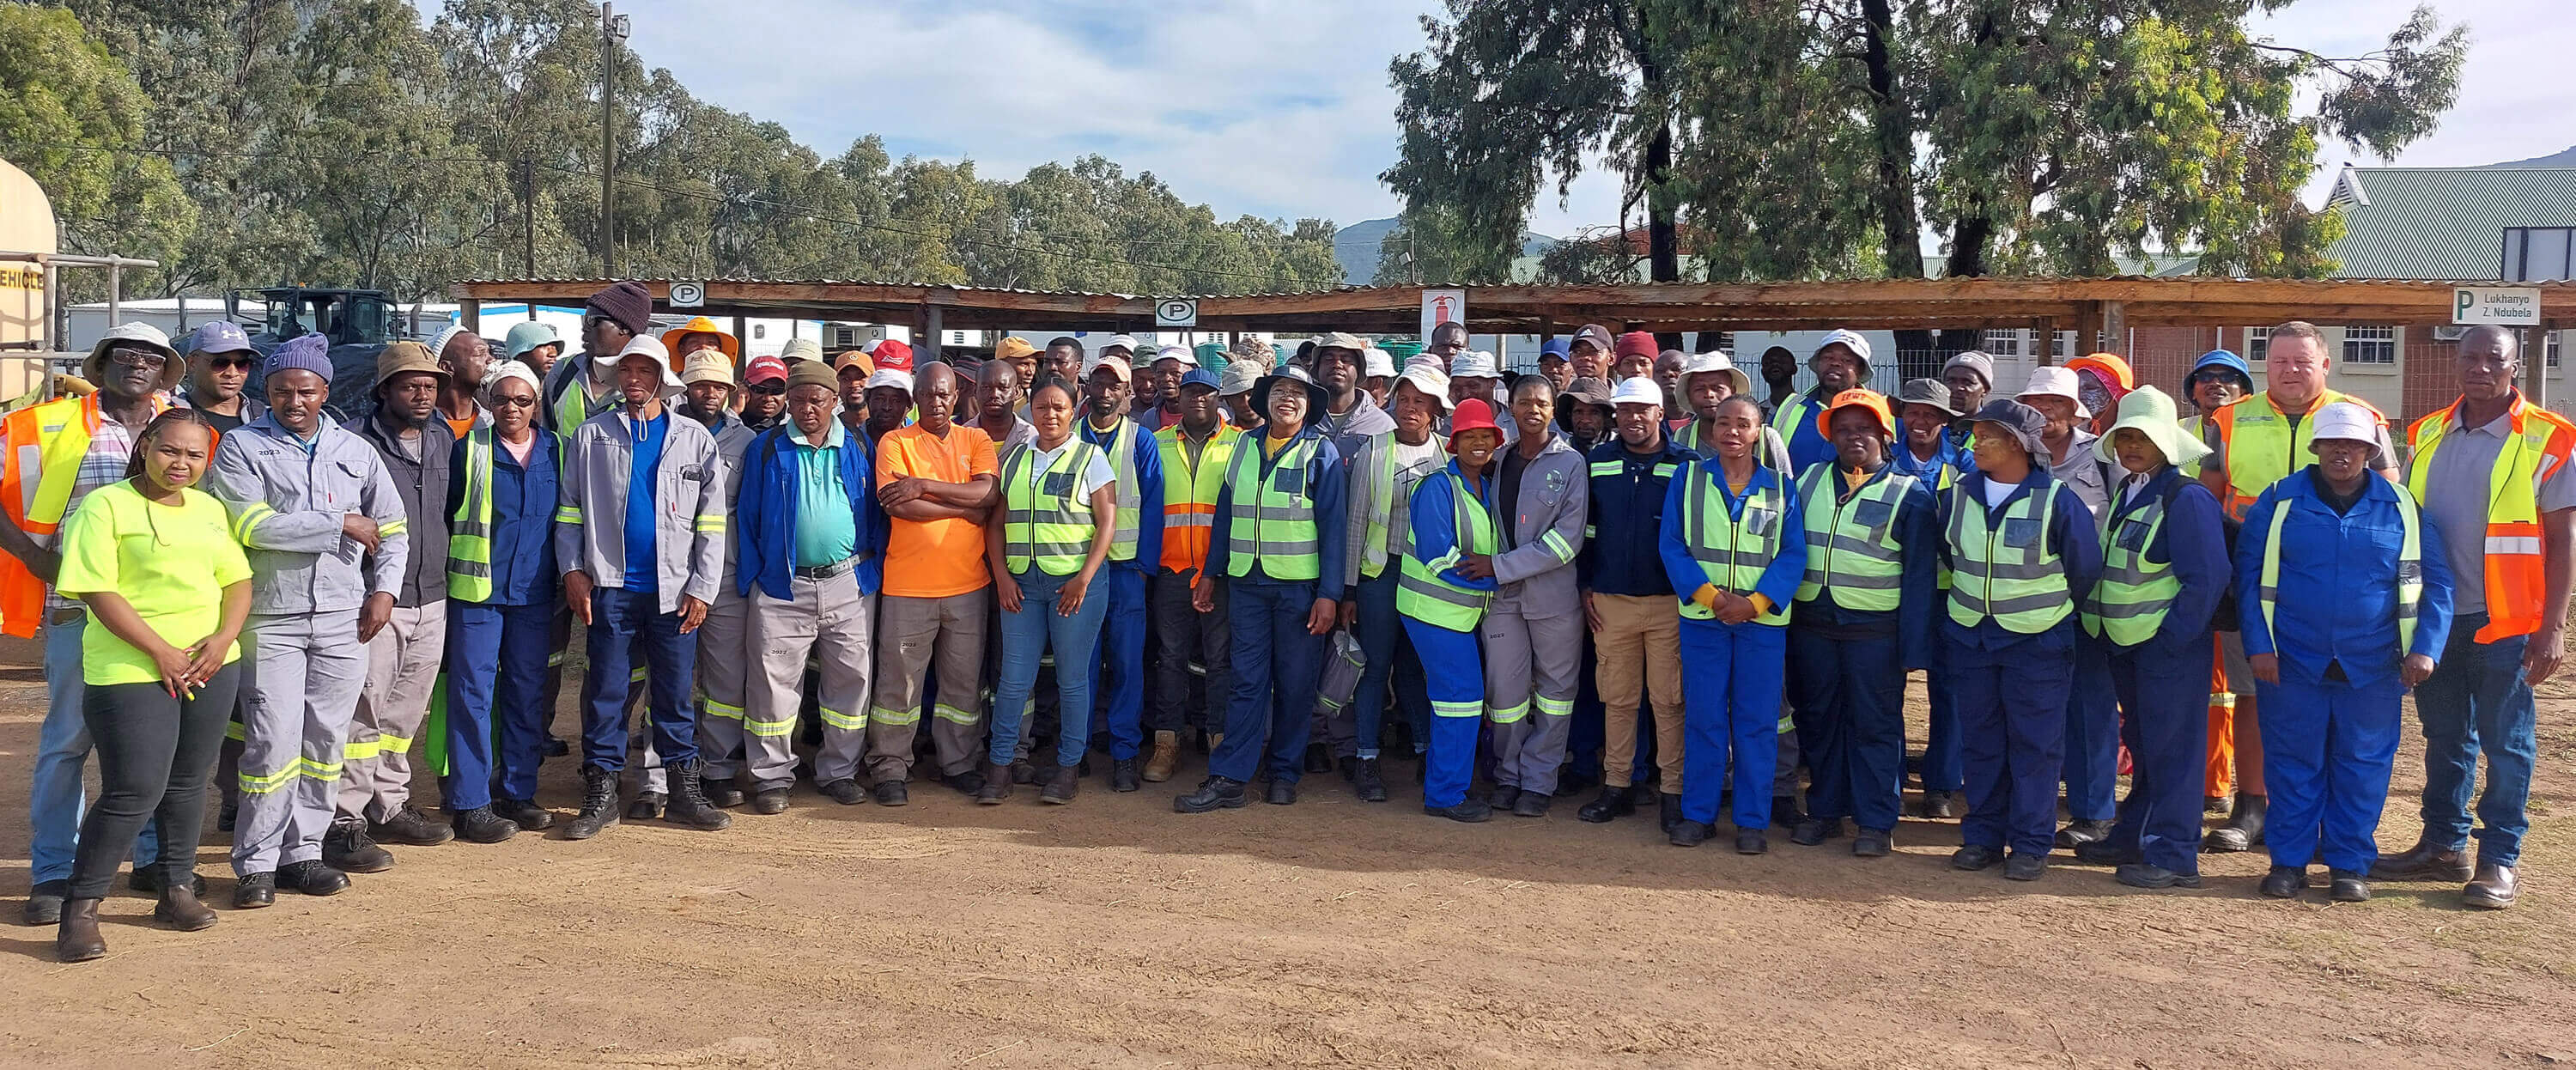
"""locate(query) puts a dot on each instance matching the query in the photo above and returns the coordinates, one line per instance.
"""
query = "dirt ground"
(1114, 932)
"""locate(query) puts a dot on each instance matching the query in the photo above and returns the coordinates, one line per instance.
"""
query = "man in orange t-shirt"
(937, 481)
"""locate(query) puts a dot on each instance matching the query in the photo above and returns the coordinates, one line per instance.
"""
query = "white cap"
(1638, 390)
(2345, 419)
(2055, 382)
(1850, 340)
(1117, 341)
(1375, 362)
(1426, 376)
(1179, 353)
(1115, 364)
(900, 380)
(646, 345)
(1716, 361)
(1473, 364)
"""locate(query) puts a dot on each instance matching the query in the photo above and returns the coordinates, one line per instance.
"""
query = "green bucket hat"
(2153, 414)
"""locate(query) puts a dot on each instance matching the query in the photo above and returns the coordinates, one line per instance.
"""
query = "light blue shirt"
(826, 531)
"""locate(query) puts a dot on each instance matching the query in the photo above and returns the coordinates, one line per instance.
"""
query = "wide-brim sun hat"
(1851, 340)
(725, 340)
(2151, 412)
(1716, 362)
(2054, 382)
(2346, 420)
(1427, 377)
(136, 333)
(1473, 414)
(1317, 398)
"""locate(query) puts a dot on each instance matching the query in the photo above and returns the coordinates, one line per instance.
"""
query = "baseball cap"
(1199, 377)
(1110, 361)
(763, 369)
(220, 336)
(900, 380)
(1120, 341)
(1183, 354)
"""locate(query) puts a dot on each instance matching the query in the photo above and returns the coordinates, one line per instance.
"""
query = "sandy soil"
(1114, 932)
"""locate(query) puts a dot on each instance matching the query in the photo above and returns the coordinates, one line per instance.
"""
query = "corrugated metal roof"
(2445, 222)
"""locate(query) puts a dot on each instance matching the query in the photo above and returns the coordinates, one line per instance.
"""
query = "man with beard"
(1553, 364)
(1023, 359)
(1970, 377)
(725, 652)
(852, 372)
(1628, 603)
(535, 344)
(1589, 352)
(462, 356)
(1063, 359)
(1585, 414)
(888, 397)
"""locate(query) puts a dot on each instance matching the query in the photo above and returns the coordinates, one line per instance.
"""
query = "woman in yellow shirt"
(167, 589)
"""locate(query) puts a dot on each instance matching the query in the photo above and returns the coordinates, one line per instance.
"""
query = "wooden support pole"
(2115, 331)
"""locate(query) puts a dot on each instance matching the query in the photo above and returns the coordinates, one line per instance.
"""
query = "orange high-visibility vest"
(41, 447)
(2541, 441)
(1189, 493)
(2262, 449)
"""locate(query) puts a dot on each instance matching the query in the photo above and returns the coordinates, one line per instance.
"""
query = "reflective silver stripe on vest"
(1453, 596)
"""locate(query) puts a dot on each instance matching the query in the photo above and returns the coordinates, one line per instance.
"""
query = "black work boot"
(997, 785)
(722, 791)
(254, 891)
(689, 806)
(78, 940)
(2243, 830)
(313, 878)
(410, 828)
(2078, 833)
(1062, 788)
(529, 816)
(1367, 782)
(1124, 775)
(598, 804)
(1214, 793)
(646, 807)
(45, 903)
(1609, 806)
(1672, 813)
(345, 847)
(481, 825)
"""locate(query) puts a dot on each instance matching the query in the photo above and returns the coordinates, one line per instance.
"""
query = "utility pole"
(613, 28)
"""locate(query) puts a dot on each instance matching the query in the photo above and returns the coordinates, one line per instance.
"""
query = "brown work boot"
(2426, 861)
(2492, 890)
(77, 939)
(1167, 755)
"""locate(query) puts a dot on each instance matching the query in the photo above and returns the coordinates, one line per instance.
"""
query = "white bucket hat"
(2345, 419)
(1716, 361)
(2055, 382)
(1375, 362)
(1427, 377)
(1474, 364)
(645, 345)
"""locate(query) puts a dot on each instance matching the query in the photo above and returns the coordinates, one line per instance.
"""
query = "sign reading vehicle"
(2509, 306)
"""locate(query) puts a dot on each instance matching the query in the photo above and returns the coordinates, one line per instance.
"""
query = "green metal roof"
(2443, 222)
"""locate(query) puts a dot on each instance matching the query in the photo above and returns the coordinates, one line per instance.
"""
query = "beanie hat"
(812, 373)
(304, 352)
(1637, 343)
(628, 303)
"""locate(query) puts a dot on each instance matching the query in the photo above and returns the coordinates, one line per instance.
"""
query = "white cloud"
(1281, 108)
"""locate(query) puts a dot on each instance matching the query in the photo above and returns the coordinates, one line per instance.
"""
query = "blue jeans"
(56, 798)
(623, 624)
(1381, 631)
(1120, 626)
(1271, 648)
(496, 657)
(1026, 636)
(2476, 702)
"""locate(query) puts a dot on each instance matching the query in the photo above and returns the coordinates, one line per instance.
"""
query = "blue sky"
(1280, 108)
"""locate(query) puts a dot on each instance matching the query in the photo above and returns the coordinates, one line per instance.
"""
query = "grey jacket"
(1545, 533)
(423, 486)
(1364, 503)
(288, 504)
(688, 494)
(733, 440)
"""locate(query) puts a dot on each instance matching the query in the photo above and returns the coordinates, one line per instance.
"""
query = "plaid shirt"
(105, 462)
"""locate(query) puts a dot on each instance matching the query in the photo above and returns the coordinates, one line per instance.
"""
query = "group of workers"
(1627, 569)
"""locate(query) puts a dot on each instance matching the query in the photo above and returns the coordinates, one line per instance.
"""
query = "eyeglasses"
(768, 387)
(137, 358)
(514, 403)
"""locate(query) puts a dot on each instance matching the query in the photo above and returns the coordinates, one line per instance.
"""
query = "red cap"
(892, 355)
(1471, 414)
(1641, 343)
(764, 368)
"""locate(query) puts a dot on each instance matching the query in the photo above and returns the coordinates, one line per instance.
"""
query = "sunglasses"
(231, 362)
(768, 388)
(514, 403)
(137, 358)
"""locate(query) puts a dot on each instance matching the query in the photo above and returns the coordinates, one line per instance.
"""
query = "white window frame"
(2258, 340)
(2007, 344)
(2370, 346)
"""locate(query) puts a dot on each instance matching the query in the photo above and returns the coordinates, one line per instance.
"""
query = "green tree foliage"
(1810, 138)
(60, 89)
(344, 142)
